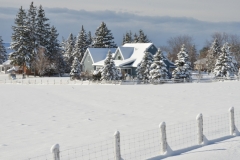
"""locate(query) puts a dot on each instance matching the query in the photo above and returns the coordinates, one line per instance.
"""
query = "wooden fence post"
(117, 150)
(55, 150)
(199, 119)
(232, 121)
(163, 138)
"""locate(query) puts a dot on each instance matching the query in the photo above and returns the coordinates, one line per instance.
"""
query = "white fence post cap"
(162, 124)
(231, 109)
(199, 116)
(54, 147)
(116, 133)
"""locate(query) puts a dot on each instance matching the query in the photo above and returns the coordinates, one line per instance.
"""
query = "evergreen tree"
(42, 28)
(109, 71)
(142, 38)
(143, 68)
(183, 69)
(212, 55)
(89, 39)
(76, 69)
(103, 37)
(127, 38)
(32, 41)
(21, 55)
(3, 53)
(81, 45)
(225, 66)
(135, 39)
(158, 68)
(124, 39)
(68, 52)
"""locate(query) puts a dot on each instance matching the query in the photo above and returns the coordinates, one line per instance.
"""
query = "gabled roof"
(98, 54)
(7, 62)
(126, 51)
(139, 49)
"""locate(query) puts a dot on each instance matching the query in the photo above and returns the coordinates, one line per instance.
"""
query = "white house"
(5, 66)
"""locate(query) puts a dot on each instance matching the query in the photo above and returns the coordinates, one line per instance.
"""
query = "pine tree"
(183, 70)
(32, 28)
(143, 68)
(103, 37)
(68, 52)
(89, 39)
(3, 53)
(20, 41)
(142, 38)
(76, 69)
(158, 68)
(225, 66)
(127, 38)
(135, 40)
(109, 71)
(81, 45)
(42, 28)
(212, 55)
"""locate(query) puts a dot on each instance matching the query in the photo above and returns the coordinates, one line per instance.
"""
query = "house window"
(2, 68)
(119, 57)
(32, 70)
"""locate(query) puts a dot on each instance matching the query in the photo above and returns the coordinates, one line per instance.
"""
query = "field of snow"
(34, 117)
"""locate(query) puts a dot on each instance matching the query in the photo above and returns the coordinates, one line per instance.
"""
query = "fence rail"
(163, 141)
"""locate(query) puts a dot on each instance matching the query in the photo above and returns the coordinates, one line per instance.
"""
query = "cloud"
(158, 28)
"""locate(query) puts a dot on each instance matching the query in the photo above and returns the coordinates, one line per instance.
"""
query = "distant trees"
(140, 38)
(3, 53)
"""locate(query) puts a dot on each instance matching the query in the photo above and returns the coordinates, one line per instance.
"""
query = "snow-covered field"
(34, 117)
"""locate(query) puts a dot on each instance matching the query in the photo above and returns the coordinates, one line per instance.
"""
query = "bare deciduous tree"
(41, 62)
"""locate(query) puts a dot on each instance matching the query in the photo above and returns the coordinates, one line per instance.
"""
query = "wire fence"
(147, 144)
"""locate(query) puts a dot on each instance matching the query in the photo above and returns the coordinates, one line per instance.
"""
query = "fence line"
(163, 141)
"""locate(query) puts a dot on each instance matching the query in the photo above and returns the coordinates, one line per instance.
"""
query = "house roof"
(139, 49)
(99, 54)
(7, 62)
(126, 51)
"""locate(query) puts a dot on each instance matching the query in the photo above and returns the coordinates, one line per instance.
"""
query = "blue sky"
(160, 19)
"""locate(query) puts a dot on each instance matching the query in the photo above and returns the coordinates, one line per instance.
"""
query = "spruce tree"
(89, 39)
(135, 38)
(20, 41)
(76, 69)
(142, 38)
(143, 68)
(3, 53)
(127, 38)
(158, 68)
(109, 71)
(68, 57)
(81, 45)
(212, 55)
(42, 28)
(225, 66)
(183, 70)
(103, 37)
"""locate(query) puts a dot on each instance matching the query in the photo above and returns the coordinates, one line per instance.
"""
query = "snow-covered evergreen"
(135, 38)
(109, 71)
(89, 39)
(142, 38)
(20, 41)
(81, 45)
(3, 53)
(143, 68)
(225, 65)
(103, 37)
(183, 70)
(212, 55)
(68, 56)
(76, 69)
(42, 28)
(127, 38)
(158, 68)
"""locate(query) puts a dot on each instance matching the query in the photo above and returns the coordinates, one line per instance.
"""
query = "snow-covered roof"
(139, 49)
(99, 54)
(126, 51)
(7, 62)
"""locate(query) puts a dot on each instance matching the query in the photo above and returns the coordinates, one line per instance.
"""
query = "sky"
(159, 19)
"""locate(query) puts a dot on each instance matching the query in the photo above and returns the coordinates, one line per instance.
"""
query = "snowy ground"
(34, 117)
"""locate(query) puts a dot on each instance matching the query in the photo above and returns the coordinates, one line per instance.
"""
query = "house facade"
(128, 57)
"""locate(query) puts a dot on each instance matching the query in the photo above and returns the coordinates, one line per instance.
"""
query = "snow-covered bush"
(143, 68)
(76, 69)
(158, 68)
(226, 65)
(183, 70)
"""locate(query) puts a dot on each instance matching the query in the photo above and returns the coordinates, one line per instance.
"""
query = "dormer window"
(119, 57)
